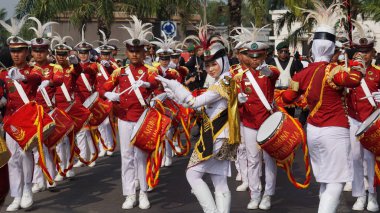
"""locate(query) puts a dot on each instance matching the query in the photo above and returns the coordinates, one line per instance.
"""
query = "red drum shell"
(369, 137)
(21, 126)
(80, 115)
(63, 125)
(283, 140)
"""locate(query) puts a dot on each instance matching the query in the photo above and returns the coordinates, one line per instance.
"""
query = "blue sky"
(9, 6)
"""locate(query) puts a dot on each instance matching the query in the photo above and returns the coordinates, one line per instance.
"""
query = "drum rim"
(143, 115)
(96, 93)
(275, 130)
(357, 133)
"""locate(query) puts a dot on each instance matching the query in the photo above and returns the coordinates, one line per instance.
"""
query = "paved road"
(98, 189)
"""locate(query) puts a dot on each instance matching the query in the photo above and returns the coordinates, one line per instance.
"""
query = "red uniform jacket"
(254, 111)
(30, 85)
(54, 74)
(129, 102)
(183, 72)
(361, 109)
(325, 97)
(90, 69)
(170, 73)
(100, 79)
(70, 76)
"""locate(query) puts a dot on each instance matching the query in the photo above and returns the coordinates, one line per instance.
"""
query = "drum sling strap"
(258, 91)
(102, 71)
(367, 93)
(137, 90)
(209, 131)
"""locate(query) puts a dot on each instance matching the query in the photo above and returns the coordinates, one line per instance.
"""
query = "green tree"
(3, 33)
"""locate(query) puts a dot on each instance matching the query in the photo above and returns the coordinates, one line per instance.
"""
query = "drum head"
(368, 122)
(90, 100)
(161, 97)
(269, 127)
(139, 123)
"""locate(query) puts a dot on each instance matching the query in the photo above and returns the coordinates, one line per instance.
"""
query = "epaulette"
(376, 67)
(117, 71)
(57, 67)
(151, 69)
(156, 64)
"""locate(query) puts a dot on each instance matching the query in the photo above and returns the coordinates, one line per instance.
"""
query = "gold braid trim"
(331, 73)
(220, 89)
(325, 79)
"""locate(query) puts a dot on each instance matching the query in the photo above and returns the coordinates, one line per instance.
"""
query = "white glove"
(361, 68)
(376, 96)
(264, 70)
(141, 83)
(242, 97)
(43, 84)
(178, 89)
(112, 96)
(73, 59)
(15, 74)
(105, 63)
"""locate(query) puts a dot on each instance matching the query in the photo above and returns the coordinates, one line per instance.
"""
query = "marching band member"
(84, 88)
(177, 62)
(20, 164)
(140, 79)
(105, 68)
(71, 71)
(52, 77)
(220, 134)
(167, 72)
(358, 111)
(328, 134)
(254, 114)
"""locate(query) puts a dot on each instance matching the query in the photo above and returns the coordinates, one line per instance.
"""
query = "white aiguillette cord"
(258, 91)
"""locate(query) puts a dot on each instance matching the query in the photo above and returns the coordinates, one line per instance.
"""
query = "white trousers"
(85, 145)
(63, 152)
(168, 148)
(219, 181)
(254, 166)
(241, 160)
(105, 130)
(38, 176)
(133, 160)
(20, 167)
(329, 149)
(359, 155)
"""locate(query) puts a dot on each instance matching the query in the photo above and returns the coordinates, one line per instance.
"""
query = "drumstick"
(370, 96)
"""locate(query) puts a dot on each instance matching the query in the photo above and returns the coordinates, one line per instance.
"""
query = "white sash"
(102, 71)
(367, 93)
(45, 95)
(137, 90)
(21, 92)
(85, 81)
(258, 91)
(283, 80)
(65, 92)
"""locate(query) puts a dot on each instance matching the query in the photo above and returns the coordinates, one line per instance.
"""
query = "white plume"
(15, 26)
(166, 44)
(60, 40)
(245, 35)
(39, 31)
(137, 30)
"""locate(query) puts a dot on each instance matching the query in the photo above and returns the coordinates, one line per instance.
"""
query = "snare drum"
(99, 108)
(79, 114)
(369, 133)
(150, 129)
(21, 125)
(279, 136)
(63, 125)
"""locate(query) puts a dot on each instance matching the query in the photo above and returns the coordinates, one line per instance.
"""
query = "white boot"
(130, 202)
(265, 203)
(168, 161)
(38, 187)
(254, 203)
(204, 197)
(27, 198)
(143, 200)
(102, 152)
(372, 205)
(52, 186)
(15, 205)
(238, 177)
(360, 203)
(242, 187)
(109, 153)
(70, 174)
(92, 164)
(78, 164)
(328, 204)
(223, 202)
(348, 187)
(58, 177)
